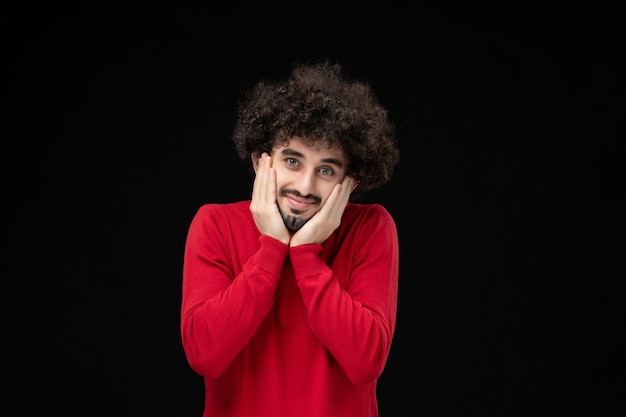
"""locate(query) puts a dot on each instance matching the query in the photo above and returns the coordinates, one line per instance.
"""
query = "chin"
(293, 222)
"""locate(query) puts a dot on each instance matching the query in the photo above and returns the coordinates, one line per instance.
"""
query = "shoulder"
(368, 217)
(365, 211)
(223, 213)
(367, 227)
(217, 209)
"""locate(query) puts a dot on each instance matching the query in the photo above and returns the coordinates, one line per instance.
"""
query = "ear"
(255, 162)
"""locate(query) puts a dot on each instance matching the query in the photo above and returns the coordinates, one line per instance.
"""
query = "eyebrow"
(291, 152)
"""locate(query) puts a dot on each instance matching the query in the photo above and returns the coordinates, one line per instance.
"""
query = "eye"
(291, 161)
(326, 171)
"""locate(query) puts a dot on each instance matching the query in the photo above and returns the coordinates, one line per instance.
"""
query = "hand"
(263, 204)
(328, 218)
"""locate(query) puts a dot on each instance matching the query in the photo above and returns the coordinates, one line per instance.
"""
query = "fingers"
(264, 188)
(350, 183)
(336, 203)
(345, 189)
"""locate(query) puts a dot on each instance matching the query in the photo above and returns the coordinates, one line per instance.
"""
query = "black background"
(507, 198)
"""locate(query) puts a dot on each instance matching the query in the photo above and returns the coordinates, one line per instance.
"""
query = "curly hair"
(321, 105)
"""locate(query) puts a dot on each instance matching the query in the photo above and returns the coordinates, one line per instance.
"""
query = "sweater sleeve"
(354, 317)
(214, 327)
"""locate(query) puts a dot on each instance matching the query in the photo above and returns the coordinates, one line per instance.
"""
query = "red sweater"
(280, 331)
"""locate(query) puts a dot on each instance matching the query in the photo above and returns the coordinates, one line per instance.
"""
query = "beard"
(293, 223)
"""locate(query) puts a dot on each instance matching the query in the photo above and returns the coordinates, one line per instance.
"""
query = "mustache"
(285, 191)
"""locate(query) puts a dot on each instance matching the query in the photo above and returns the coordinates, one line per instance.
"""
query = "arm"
(222, 308)
(352, 304)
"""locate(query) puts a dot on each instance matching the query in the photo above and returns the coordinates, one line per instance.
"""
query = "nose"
(306, 182)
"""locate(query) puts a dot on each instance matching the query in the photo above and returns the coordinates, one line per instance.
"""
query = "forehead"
(296, 146)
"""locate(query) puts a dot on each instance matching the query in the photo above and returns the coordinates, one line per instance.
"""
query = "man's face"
(305, 177)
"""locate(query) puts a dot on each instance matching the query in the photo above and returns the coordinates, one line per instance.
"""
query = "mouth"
(299, 204)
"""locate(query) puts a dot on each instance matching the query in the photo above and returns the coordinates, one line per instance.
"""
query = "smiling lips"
(300, 204)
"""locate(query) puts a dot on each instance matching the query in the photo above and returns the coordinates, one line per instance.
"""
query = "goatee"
(293, 223)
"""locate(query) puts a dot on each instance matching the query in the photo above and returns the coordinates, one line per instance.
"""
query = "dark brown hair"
(321, 105)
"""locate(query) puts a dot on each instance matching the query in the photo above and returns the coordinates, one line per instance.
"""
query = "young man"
(289, 298)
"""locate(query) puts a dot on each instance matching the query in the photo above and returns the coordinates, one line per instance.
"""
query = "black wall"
(507, 198)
